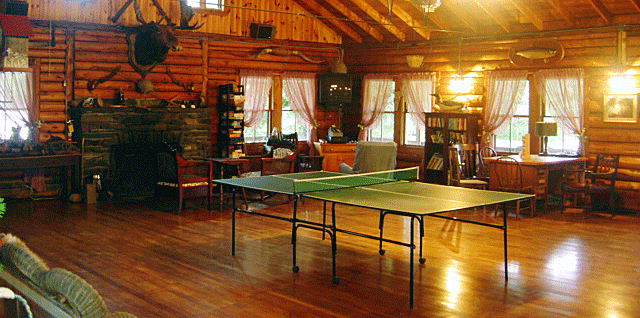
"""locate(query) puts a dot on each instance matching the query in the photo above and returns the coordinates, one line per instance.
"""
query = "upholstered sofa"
(56, 290)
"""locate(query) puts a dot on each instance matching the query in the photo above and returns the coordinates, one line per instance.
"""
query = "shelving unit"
(230, 121)
(443, 130)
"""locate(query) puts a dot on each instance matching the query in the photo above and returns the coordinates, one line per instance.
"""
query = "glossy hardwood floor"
(152, 263)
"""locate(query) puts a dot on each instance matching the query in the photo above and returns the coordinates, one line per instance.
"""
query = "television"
(334, 89)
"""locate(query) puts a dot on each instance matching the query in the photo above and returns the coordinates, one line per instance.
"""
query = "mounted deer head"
(150, 42)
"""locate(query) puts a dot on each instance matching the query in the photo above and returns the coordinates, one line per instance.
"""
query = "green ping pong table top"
(399, 196)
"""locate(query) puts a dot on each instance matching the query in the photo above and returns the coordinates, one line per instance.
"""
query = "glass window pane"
(413, 134)
(511, 139)
(290, 123)
(260, 132)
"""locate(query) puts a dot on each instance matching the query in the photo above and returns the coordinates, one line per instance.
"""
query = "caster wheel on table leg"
(381, 252)
(422, 260)
(336, 280)
(296, 269)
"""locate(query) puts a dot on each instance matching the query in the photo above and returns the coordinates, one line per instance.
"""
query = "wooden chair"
(456, 173)
(188, 178)
(483, 168)
(273, 166)
(309, 163)
(509, 177)
(596, 182)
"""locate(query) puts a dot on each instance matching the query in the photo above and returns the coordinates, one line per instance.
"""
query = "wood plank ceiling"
(377, 21)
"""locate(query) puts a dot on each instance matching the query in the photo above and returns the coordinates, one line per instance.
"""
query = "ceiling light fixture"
(428, 5)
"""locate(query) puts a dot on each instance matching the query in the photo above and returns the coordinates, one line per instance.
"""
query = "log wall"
(594, 51)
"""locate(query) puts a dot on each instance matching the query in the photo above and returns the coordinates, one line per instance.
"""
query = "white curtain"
(301, 90)
(504, 92)
(416, 88)
(563, 91)
(16, 99)
(257, 85)
(377, 90)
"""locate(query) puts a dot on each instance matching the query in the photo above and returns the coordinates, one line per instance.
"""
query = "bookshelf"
(442, 130)
(230, 121)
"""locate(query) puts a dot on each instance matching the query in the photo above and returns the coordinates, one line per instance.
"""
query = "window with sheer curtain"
(257, 89)
(16, 104)
(416, 90)
(377, 102)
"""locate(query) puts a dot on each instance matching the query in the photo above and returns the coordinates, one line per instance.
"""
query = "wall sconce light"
(414, 61)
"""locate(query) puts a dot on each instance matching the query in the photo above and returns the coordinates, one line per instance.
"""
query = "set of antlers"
(186, 14)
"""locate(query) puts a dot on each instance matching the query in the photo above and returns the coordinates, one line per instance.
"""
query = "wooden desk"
(544, 173)
(335, 154)
(72, 164)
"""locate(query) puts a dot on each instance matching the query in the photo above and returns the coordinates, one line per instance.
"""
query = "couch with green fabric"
(56, 290)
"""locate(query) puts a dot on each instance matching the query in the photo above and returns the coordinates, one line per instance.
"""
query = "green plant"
(3, 207)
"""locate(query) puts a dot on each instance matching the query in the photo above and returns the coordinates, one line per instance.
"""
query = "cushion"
(281, 152)
(15, 254)
(79, 294)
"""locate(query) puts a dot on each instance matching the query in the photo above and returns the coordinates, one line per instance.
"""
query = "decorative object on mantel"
(414, 61)
(536, 52)
(284, 53)
(447, 105)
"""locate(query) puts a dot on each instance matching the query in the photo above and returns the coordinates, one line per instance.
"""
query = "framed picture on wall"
(620, 108)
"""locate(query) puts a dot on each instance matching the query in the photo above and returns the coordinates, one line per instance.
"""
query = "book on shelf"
(436, 162)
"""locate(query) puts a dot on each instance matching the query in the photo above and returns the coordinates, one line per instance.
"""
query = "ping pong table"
(390, 192)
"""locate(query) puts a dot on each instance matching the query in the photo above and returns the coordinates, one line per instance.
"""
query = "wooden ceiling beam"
(602, 10)
(531, 16)
(322, 11)
(405, 16)
(350, 15)
(462, 15)
(555, 4)
(636, 4)
(380, 18)
(497, 18)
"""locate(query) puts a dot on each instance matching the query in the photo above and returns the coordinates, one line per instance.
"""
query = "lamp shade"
(544, 129)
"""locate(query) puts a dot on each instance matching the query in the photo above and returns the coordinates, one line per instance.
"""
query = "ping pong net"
(353, 180)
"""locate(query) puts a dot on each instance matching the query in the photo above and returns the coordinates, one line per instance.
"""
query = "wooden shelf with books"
(230, 121)
(444, 129)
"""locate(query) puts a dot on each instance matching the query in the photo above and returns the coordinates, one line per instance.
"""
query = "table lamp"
(544, 130)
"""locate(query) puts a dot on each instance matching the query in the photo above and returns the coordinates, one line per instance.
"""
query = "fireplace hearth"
(120, 144)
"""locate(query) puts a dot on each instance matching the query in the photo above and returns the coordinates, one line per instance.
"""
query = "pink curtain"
(504, 91)
(257, 85)
(563, 91)
(416, 89)
(301, 90)
(377, 90)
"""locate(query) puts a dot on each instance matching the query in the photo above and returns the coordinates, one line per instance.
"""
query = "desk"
(543, 173)
(72, 164)
(231, 166)
(335, 154)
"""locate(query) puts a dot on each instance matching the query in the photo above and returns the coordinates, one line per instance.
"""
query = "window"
(15, 99)
(382, 130)
(413, 134)
(416, 90)
(290, 123)
(260, 132)
(207, 4)
(510, 140)
(561, 143)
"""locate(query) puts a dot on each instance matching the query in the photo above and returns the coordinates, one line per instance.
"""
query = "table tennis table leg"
(334, 244)
(411, 266)
(233, 221)
(504, 231)
(294, 229)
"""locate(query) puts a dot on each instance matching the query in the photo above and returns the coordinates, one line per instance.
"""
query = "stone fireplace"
(120, 143)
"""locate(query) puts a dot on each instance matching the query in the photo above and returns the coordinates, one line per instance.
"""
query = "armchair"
(596, 182)
(188, 178)
(371, 157)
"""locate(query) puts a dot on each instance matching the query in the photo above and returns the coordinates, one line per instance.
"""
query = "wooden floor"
(152, 263)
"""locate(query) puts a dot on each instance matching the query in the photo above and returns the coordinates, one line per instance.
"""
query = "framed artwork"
(620, 108)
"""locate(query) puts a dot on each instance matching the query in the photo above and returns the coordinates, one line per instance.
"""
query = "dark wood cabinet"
(442, 131)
